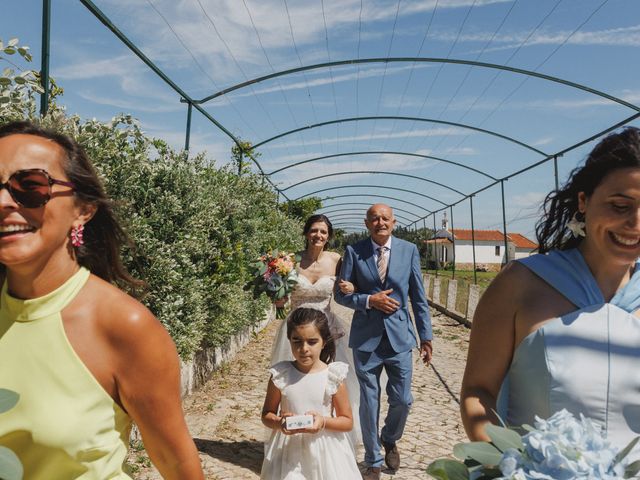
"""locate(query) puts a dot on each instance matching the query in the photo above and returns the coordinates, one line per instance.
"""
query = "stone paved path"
(224, 415)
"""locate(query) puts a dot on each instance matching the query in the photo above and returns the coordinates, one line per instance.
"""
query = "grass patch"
(483, 278)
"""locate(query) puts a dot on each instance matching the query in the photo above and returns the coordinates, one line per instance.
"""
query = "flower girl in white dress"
(310, 385)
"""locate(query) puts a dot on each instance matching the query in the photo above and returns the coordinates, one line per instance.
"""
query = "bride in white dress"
(317, 271)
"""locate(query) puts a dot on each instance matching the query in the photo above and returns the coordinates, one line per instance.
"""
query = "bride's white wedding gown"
(319, 295)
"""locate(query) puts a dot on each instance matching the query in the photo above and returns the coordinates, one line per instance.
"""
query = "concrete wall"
(521, 253)
(197, 371)
(485, 252)
(449, 308)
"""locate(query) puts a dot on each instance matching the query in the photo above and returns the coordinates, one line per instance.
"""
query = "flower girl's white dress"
(325, 455)
(319, 295)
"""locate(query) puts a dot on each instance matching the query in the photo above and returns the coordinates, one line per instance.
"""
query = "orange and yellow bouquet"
(275, 275)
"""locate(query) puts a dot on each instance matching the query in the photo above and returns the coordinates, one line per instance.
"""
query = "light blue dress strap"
(567, 272)
(628, 297)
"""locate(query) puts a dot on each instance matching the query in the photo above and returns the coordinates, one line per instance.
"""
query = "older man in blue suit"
(385, 271)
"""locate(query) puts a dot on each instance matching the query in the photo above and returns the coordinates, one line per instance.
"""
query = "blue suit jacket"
(404, 276)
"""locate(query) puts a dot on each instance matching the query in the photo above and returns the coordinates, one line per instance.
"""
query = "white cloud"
(132, 106)
(460, 151)
(434, 132)
(366, 71)
(392, 163)
(198, 143)
(529, 200)
(615, 37)
(195, 22)
(118, 66)
(464, 103)
(131, 74)
(542, 141)
(591, 101)
(356, 163)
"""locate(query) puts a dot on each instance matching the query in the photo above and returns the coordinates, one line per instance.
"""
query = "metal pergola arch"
(350, 223)
(506, 178)
(356, 216)
(124, 39)
(382, 152)
(360, 213)
(455, 61)
(371, 186)
(412, 119)
(338, 210)
(191, 102)
(373, 172)
(537, 164)
(363, 208)
(354, 224)
(349, 226)
(422, 59)
(348, 195)
(432, 60)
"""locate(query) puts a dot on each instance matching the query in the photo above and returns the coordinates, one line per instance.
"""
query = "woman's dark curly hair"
(615, 151)
(103, 235)
(303, 316)
(315, 219)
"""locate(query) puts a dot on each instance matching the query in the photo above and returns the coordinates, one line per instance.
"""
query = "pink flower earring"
(76, 236)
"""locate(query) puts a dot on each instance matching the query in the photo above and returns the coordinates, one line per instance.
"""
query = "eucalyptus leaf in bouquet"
(559, 448)
(10, 466)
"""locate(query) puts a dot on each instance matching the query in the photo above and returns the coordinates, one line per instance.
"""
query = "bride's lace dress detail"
(319, 295)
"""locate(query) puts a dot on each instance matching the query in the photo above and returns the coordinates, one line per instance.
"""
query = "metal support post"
(504, 225)
(426, 257)
(435, 244)
(555, 170)
(187, 137)
(44, 68)
(473, 241)
(453, 240)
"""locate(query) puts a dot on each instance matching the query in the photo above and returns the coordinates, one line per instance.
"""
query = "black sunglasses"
(32, 188)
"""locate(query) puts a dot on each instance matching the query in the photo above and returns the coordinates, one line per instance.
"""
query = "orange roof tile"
(438, 240)
(479, 235)
(521, 241)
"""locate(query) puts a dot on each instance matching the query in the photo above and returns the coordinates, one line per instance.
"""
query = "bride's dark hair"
(615, 151)
(315, 219)
(303, 316)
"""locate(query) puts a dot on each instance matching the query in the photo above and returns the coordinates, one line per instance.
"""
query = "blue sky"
(208, 45)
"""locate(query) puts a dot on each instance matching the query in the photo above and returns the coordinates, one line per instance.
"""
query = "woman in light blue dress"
(561, 329)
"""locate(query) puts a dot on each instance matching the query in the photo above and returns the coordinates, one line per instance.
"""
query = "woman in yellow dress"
(85, 358)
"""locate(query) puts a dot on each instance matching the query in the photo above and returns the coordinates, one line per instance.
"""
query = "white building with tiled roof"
(457, 245)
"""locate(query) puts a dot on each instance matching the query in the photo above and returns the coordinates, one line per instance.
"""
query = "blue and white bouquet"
(560, 448)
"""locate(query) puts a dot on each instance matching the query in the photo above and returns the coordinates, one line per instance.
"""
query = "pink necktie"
(382, 264)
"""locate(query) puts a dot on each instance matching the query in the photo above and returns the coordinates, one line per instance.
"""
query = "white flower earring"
(577, 226)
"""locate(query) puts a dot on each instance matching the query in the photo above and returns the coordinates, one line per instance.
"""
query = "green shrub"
(196, 229)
